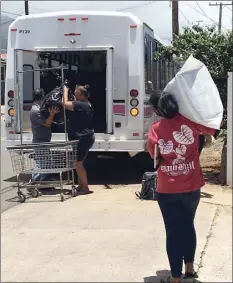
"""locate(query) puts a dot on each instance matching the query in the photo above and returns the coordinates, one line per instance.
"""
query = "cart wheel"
(62, 197)
(22, 197)
(35, 193)
(73, 192)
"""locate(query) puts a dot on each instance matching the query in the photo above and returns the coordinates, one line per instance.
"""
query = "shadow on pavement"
(45, 192)
(212, 176)
(13, 179)
(106, 173)
(159, 275)
(164, 274)
(206, 195)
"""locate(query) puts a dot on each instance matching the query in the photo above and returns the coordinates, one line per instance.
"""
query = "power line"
(39, 9)
(6, 22)
(220, 11)
(9, 13)
(184, 16)
(12, 19)
(227, 7)
(203, 13)
(133, 7)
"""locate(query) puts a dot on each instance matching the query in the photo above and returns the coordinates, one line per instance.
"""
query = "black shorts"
(83, 147)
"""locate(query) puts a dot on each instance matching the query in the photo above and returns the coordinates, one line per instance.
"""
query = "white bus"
(110, 51)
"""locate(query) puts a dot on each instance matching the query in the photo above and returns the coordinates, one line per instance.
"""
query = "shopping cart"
(44, 158)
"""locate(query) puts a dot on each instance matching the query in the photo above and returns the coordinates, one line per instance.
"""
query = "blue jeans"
(178, 212)
(42, 162)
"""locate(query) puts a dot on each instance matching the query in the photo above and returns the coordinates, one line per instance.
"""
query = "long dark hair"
(164, 104)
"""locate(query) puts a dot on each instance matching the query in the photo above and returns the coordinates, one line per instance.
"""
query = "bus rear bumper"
(130, 146)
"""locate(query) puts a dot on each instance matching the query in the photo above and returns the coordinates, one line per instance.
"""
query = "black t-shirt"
(80, 120)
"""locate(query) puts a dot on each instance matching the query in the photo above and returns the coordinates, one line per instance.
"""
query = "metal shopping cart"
(45, 158)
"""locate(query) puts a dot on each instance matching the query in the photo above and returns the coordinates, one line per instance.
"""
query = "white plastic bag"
(197, 95)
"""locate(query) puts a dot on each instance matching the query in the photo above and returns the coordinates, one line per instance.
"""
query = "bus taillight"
(133, 93)
(11, 112)
(134, 102)
(134, 112)
(11, 93)
(11, 103)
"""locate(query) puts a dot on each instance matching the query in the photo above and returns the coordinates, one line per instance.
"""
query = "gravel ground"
(211, 161)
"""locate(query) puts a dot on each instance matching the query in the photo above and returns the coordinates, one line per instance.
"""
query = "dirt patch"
(211, 162)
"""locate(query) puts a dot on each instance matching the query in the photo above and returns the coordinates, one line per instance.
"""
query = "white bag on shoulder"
(197, 95)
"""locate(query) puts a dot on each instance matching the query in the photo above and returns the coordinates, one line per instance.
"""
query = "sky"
(156, 14)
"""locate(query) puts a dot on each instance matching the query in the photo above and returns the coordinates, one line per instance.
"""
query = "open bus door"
(26, 80)
(109, 91)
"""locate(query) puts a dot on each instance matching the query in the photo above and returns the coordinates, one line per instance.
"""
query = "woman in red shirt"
(173, 141)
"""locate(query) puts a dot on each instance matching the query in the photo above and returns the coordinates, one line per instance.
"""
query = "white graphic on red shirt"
(181, 149)
(185, 136)
(179, 165)
(165, 147)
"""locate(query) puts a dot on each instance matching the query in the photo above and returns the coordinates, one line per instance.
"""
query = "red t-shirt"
(178, 141)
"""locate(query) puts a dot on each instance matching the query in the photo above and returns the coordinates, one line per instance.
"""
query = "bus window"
(152, 50)
(149, 56)
(146, 57)
(2, 73)
(28, 84)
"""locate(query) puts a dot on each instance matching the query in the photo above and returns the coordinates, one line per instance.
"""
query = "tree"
(206, 44)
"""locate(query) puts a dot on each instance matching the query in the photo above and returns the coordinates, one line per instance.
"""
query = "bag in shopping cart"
(197, 95)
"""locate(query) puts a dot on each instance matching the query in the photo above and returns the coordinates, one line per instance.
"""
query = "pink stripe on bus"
(119, 109)
(148, 111)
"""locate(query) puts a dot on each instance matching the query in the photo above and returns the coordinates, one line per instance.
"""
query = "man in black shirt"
(80, 128)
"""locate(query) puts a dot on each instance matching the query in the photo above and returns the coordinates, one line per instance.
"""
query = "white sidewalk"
(108, 236)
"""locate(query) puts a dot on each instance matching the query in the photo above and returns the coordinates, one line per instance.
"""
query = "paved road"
(8, 193)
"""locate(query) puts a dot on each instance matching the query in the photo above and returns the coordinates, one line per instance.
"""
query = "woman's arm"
(153, 148)
(208, 131)
(68, 104)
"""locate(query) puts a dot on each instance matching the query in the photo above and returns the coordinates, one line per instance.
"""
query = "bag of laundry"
(197, 95)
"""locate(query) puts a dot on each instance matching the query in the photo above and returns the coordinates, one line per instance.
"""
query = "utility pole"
(220, 18)
(1, 51)
(26, 8)
(221, 5)
(232, 16)
(175, 19)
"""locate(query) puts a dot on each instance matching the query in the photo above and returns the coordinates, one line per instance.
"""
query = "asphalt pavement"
(8, 194)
